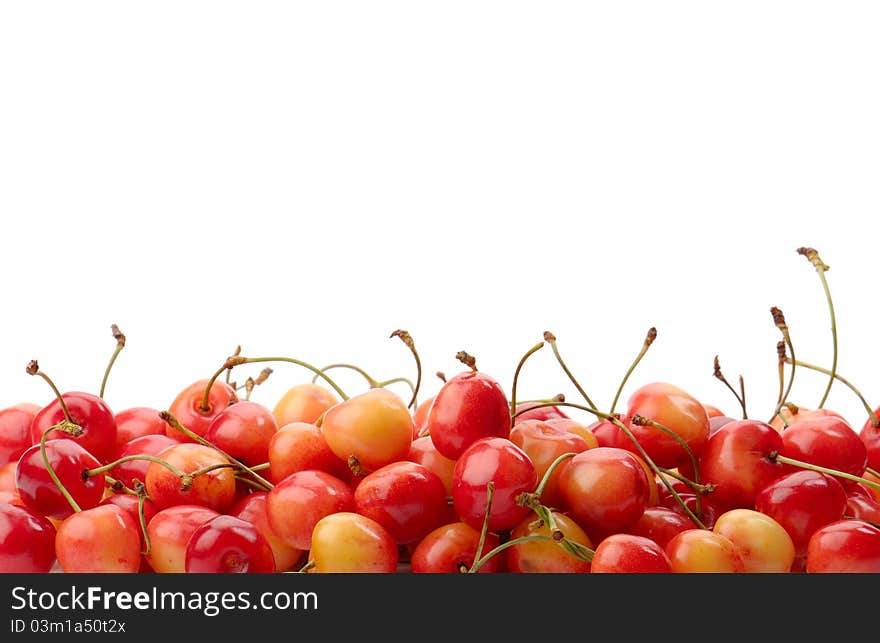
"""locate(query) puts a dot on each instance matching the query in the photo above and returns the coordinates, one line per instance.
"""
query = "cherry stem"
(778, 457)
(696, 486)
(822, 268)
(407, 339)
(373, 383)
(739, 398)
(174, 423)
(236, 353)
(88, 473)
(251, 483)
(490, 491)
(467, 359)
(120, 344)
(874, 419)
(779, 321)
(53, 475)
(586, 555)
(306, 567)
(236, 360)
(649, 339)
(33, 368)
(142, 499)
(873, 472)
(550, 338)
(553, 466)
(118, 486)
(522, 361)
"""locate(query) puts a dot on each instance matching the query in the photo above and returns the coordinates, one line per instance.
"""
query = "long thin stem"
(522, 361)
(130, 458)
(778, 457)
(120, 344)
(490, 492)
(45, 455)
(720, 376)
(779, 321)
(550, 338)
(407, 339)
(821, 267)
(871, 413)
(649, 339)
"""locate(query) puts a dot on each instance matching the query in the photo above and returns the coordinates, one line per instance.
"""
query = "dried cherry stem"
(522, 361)
(64, 492)
(118, 486)
(252, 382)
(88, 473)
(775, 456)
(821, 268)
(33, 368)
(120, 344)
(441, 375)
(550, 338)
(407, 339)
(874, 419)
(781, 357)
(649, 339)
(174, 423)
(235, 353)
(779, 321)
(490, 491)
(237, 360)
(467, 359)
(717, 374)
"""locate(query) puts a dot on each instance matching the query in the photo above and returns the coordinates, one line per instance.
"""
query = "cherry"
(189, 408)
(422, 451)
(214, 488)
(129, 471)
(27, 541)
(547, 556)
(764, 544)
(496, 460)
(704, 551)
(369, 430)
(346, 542)
(69, 460)
(578, 428)
(228, 545)
(7, 476)
(870, 437)
(303, 403)
(297, 503)
(136, 422)
(102, 539)
(131, 505)
(407, 499)
(713, 411)
(845, 546)
(623, 553)
(604, 489)
(89, 412)
(420, 416)
(802, 502)
(674, 409)
(706, 510)
(609, 434)
(252, 508)
(169, 531)
(827, 441)
(863, 507)
(528, 411)
(660, 524)
(300, 446)
(469, 406)
(451, 549)
(15, 430)
(243, 430)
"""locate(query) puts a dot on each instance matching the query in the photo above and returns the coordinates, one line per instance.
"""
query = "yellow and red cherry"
(215, 488)
(422, 451)
(191, 411)
(451, 549)
(90, 412)
(300, 446)
(764, 544)
(623, 553)
(15, 430)
(103, 539)
(305, 402)
(169, 531)
(243, 430)
(347, 542)
(546, 556)
(701, 551)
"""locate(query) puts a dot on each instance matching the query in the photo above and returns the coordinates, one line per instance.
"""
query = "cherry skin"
(707, 511)
(845, 546)
(150, 444)
(407, 499)
(7, 476)
(15, 431)
(300, 446)
(69, 460)
(870, 437)
(375, 428)
(527, 411)
(422, 451)
(764, 544)
(546, 556)
(420, 416)
(27, 541)
(346, 542)
(110, 526)
(296, 504)
(244, 430)
(506, 465)
(827, 441)
(544, 443)
(578, 428)
(604, 489)
(736, 459)
(660, 524)
(187, 407)
(623, 553)
(228, 545)
(90, 412)
(675, 409)
(170, 530)
(252, 508)
(136, 422)
(704, 551)
(802, 502)
(451, 548)
(214, 489)
(863, 507)
(129, 504)
(609, 434)
(469, 406)
(303, 403)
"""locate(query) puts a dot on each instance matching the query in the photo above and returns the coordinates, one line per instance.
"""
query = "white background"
(304, 178)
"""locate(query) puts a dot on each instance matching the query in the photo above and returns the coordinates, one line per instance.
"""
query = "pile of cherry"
(469, 480)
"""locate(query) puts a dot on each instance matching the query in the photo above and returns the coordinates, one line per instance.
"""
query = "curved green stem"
(871, 413)
(143, 521)
(129, 458)
(64, 492)
(120, 344)
(407, 339)
(522, 361)
(778, 457)
(649, 339)
(821, 269)
(550, 338)
(490, 491)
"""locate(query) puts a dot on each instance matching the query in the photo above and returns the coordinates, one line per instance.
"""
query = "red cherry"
(870, 437)
(660, 524)
(546, 556)
(170, 530)
(629, 554)
(422, 451)
(469, 406)
(300, 446)
(150, 444)
(420, 416)
(707, 512)
(27, 541)
(214, 489)
(69, 460)
(253, 509)
(15, 431)
(228, 545)
(451, 548)
(863, 507)
(845, 546)
(136, 422)
(244, 431)
(407, 499)
(90, 412)
(7, 476)
(826, 441)
(506, 465)
(608, 434)
(187, 407)
(102, 539)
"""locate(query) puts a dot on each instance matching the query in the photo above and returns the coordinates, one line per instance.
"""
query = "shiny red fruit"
(27, 541)
(15, 431)
(90, 412)
(187, 407)
(244, 431)
(826, 441)
(228, 545)
(451, 548)
(628, 554)
(845, 546)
